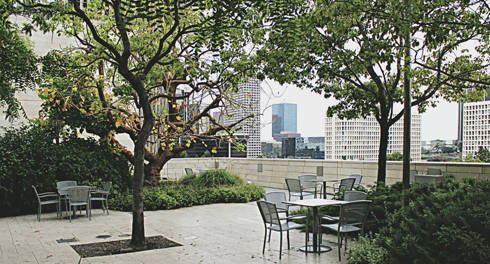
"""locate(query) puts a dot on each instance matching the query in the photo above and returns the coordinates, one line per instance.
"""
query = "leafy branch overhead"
(172, 61)
(18, 70)
(353, 51)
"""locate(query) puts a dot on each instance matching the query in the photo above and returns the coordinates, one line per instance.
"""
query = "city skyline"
(437, 123)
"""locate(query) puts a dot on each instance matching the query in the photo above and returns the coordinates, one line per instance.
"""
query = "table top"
(315, 202)
(324, 180)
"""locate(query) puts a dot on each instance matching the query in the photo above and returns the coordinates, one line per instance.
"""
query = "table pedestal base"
(310, 249)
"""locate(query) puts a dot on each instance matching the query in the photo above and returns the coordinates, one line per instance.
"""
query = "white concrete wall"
(274, 171)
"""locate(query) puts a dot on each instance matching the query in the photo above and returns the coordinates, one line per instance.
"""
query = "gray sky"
(437, 123)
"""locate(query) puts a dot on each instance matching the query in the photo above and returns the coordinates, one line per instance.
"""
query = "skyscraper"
(284, 118)
(247, 102)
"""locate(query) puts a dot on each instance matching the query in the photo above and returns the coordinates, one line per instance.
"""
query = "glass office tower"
(284, 118)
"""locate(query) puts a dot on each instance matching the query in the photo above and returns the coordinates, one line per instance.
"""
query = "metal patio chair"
(352, 218)
(272, 222)
(80, 196)
(53, 198)
(306, 184)
(62, 191)
(345, 184)
(294, 188)
(101, 195)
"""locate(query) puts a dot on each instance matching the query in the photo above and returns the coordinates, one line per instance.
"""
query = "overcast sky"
(437, 123)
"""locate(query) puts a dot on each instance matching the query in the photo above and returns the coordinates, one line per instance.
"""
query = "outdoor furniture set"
(73, 196)
(353, 211)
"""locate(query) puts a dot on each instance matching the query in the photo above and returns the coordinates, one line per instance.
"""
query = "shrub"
(187, 179)
(444, 225)
(172, 195)
(29, 157)
(215, 178)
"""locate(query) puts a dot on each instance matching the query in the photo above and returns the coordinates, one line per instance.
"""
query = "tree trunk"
(383, 148)
(152, 174)
(138, 232)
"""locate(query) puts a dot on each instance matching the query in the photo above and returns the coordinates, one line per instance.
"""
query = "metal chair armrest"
(48, 194)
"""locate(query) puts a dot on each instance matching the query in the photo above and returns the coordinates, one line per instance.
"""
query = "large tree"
(132, 58)
(18, 69)
(354, 51)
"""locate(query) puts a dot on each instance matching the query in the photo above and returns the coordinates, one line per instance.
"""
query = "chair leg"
(289, 246)
(106, 206)
(39, 213)
(339, 241)
(280, 246)
(345, 246)
(265, 238)
(70, 213)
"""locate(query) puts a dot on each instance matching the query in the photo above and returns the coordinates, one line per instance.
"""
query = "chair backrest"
(37, 194)
(358, 178)
(277, 198)
(434, 171)
(107, 186)
(202, 168)
(269, 213)
(354, 196)
(354, 213)
(64, 184)
(346, 184)
(188, 171)
(304, 180)
(293, 184)
(79, 194)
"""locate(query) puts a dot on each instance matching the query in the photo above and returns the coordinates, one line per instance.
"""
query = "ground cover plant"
(212, 186)
(29, 156)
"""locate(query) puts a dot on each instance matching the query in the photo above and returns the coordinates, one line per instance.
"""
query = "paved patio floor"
(216, 233)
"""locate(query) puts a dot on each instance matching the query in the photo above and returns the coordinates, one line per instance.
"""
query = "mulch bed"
(121, 247)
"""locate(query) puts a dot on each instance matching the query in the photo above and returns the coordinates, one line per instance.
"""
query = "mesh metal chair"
(272, 222)
(202, 168)
(188, 171)
(80, 196)
(294, 188)
(306, 184)
(53, 198)
(358, 178)
(352, 218)
(101, 195)
(348, 196)
(278, 198)
(345, 184)
(62, 191)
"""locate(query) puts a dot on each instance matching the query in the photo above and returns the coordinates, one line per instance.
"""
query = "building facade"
(358, 139)
(284, 118)
(303, 148)
(247, 102)
(476, 127)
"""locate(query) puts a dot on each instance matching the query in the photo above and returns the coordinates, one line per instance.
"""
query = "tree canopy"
(18, 69)
(353, 51)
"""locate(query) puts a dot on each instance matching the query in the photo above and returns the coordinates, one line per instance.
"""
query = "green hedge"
(206, 188)
(28, 157)
(448, 224)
